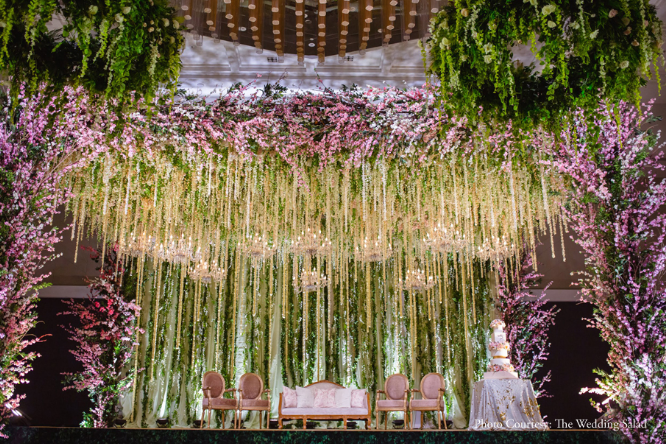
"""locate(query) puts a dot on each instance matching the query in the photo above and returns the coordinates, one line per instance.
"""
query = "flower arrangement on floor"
(528, 320)
(106, 338)
(616, 211)
(586, 51)
(116, 48)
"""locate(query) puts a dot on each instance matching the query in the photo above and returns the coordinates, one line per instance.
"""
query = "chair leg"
(209, 414)
(386, 415)
(444, 419)
(421, 426)
(203, 415)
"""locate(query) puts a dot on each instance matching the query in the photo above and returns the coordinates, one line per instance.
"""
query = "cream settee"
(325, 413)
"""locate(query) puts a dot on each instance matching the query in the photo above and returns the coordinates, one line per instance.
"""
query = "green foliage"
(586, 51)
(108, 47)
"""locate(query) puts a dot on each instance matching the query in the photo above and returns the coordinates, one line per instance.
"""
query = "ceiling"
(211, 64)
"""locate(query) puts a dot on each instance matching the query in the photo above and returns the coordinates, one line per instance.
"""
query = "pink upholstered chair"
(213, 389)
(432, 391)
(251, 387)
(396, 389)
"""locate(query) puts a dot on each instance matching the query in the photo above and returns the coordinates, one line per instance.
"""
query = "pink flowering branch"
(527, 322)
(105, 339)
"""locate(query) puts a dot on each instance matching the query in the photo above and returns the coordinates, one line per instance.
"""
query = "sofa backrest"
(323, 385)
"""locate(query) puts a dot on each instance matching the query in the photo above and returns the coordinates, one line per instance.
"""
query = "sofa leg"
(280, 423)
(305, 422)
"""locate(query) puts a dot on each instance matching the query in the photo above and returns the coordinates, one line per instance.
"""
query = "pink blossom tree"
(105, 338)
(36, 145)
(527, 321)
(616, 211)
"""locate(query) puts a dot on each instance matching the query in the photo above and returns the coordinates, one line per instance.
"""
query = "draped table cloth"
(505, 404)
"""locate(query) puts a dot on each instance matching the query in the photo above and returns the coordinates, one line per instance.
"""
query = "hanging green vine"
(586, 51)
(109, 47)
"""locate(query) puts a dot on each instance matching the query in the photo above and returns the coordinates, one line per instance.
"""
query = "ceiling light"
(242, 28)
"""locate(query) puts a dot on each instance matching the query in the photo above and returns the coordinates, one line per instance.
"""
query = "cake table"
(505, 404)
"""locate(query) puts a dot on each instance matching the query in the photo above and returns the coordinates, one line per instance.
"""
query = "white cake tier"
(500, 361)
(502, 352)
(498, 336)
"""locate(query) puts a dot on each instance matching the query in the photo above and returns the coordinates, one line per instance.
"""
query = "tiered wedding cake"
(500, 366)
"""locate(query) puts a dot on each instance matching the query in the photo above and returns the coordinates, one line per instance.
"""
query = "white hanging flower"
(551, 24)
(612, 13)
(548, 9)
(126, 10)
(488, 58)
(624, 64)
(575, 25)
(464, 12)
(93, 9)
(445, 43)
(533, 2)
(176, 25)
(151, 29)
(593, 34)
(119, 18)
(166, 22)
(173, 40)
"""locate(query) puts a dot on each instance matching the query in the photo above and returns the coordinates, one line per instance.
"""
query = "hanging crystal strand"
(364, 191)
(195, 320)
(455, 189)
(270, 305)
(513, 198)
(220, 287)
(235, 292)
(180, 305)
(81, 228)
(318, 324)
(368, 298)
(549, 222)
(254, 271)
(564, 257)
(158, 285)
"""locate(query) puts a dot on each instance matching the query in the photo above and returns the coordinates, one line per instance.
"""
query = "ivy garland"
(109, 47)
(586, 51)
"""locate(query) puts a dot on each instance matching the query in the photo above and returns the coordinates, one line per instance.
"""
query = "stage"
(54, 435)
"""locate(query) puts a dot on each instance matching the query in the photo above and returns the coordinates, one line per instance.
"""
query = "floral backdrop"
(219, 208)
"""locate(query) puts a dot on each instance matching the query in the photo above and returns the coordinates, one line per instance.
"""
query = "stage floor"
(52, 435)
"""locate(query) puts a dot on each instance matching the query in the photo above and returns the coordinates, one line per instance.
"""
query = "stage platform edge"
(57, 435)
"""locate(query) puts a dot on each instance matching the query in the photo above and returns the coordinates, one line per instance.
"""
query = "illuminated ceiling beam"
(256, 8)
(300, 31)
(279, 38)
(321, 31)
(410, 16)
(233, 18)
(343, 27)
(211, 18)
(388, 20)
(365, 14)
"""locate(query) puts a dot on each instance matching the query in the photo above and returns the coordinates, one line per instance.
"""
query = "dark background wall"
(576, 350)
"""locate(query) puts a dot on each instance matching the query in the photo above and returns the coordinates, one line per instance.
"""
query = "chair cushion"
(220, 402)
(324, 398)
(330, 412)
(358, 398)
(385, 404)
(343, 398)
(289, 398)
(425, 403)
(255, 403)
(304, 398)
